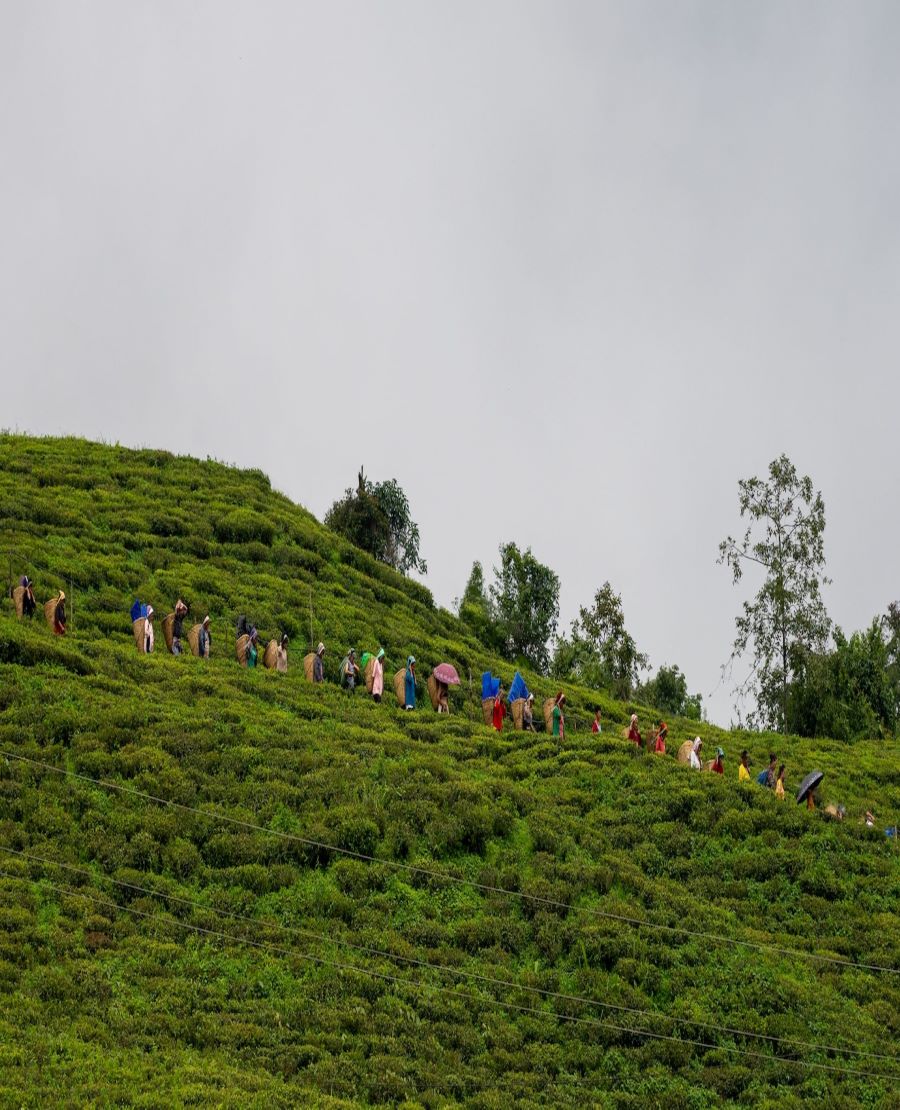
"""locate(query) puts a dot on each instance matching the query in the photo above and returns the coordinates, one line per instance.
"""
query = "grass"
(102, 1005)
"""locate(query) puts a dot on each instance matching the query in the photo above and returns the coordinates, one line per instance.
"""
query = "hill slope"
(160, 955)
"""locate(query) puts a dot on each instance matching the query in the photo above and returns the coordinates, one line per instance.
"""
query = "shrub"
(242, 526)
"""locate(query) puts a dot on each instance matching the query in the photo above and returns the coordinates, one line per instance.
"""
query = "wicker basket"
(400, 687)
(549, 705)
(308, 661)
(369, 673)
(19, 600)
(270, 655)
(168, 627)
(240, 649)
(50, 609)
(684, 752)
(487, 708)
(194, 639)
(139, 627)
(517, 708)
(432, 687)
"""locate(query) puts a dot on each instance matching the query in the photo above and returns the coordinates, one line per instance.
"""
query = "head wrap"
(320, 648)
(698, 743)
(410, 660)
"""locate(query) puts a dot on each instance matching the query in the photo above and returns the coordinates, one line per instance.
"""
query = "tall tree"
(784, 539)
(377, 518)
(474, 609)
(891, 625)
(668, 691)
(402, 547)
(603, 652)
(525, 603)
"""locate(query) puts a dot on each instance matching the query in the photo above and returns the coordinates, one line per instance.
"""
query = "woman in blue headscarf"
(409, 684)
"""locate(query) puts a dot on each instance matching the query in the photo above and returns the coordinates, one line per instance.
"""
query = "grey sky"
(566, 271)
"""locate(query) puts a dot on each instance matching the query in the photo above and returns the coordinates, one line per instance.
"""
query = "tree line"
(802, 674)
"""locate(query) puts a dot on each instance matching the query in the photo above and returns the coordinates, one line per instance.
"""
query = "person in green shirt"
(559, 721)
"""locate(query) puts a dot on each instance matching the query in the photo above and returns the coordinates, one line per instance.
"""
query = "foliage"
(111, 995)
(668, 691)
(846, 693)
(785, 537)
(600, 651)
(525, 606)
(474, 609)
(377, 518)
(891, 631)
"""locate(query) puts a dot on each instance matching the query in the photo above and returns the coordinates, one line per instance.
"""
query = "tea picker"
(808, 789)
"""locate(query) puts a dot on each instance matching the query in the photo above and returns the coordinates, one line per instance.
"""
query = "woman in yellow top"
(779, 783)
(743, 769)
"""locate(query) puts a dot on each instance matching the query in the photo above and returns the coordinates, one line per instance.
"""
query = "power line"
(461, 972)
(480, 999)
(456, 880)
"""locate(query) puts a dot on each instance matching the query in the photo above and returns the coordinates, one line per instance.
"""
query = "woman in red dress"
(499, 710)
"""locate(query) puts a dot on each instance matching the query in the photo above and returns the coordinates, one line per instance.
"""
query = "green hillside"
(377, 907)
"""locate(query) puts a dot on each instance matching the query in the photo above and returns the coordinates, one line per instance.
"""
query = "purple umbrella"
(445, 673)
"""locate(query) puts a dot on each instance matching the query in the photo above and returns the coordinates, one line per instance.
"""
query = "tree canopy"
(668, 691)
(516, 616)
(525, 604)
(852, 691)
(599, 650)
(377, 518)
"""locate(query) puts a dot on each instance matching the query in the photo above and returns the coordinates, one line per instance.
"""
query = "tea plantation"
(229, 887)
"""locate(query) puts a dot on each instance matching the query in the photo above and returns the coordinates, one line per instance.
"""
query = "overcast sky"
(565, 270)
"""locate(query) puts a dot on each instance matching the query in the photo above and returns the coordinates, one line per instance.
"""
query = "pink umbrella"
(445, 673)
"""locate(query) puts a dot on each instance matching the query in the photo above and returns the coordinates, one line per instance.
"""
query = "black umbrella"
(809, 784)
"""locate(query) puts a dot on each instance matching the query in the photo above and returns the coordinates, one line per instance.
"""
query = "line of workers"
(519, 702)
(691, 752)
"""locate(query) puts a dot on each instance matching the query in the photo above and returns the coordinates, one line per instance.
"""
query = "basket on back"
(19, 600)
(240, 649)
(487, 708)
(168, 626)
(139, 627)
(50, 610)
(433, 692)
(400, 687)
(369, 673)
(684, 752)
(308, 661)
(271, 654)
(194, 639)
(517, 708)
(549, 705)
